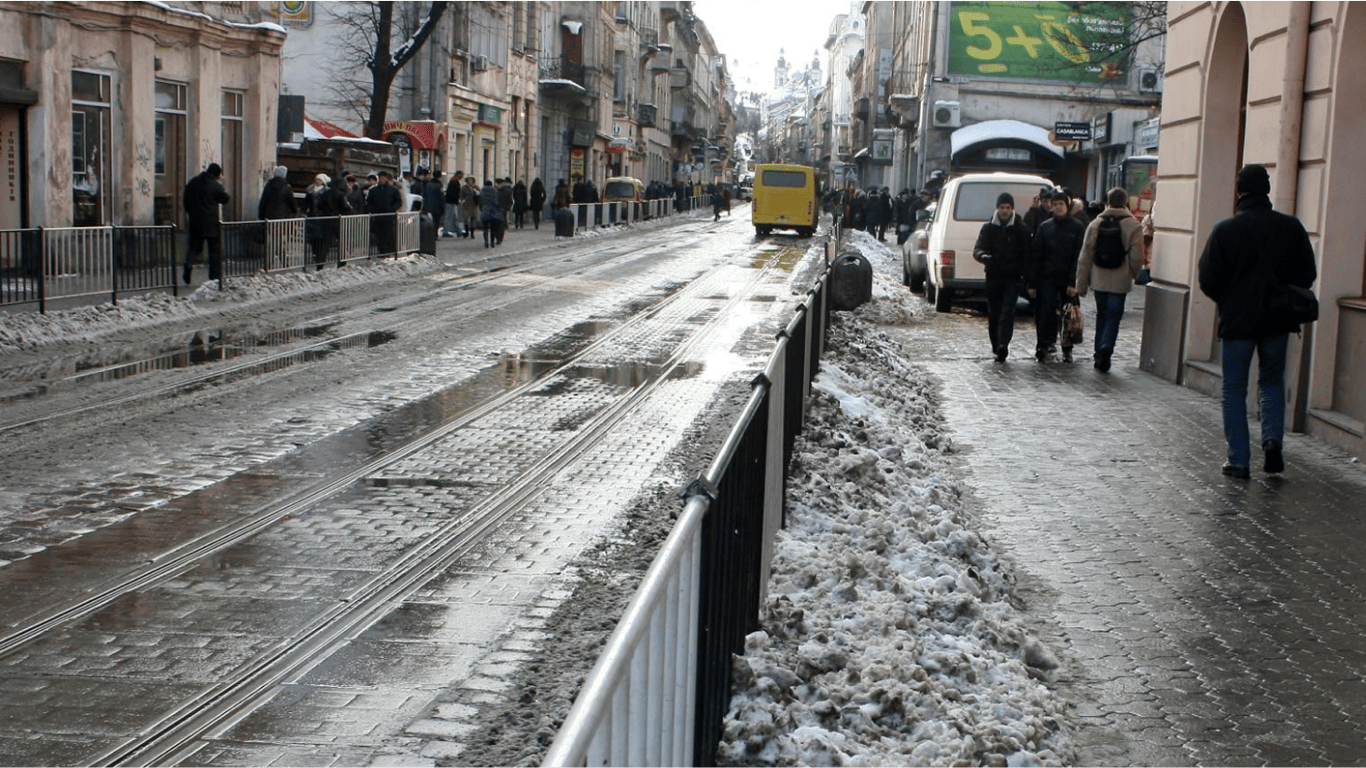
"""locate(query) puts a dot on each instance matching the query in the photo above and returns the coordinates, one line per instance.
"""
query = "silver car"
(914, 260)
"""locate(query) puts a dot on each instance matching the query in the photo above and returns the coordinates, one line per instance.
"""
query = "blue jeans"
(1237, 365)
(1109, 311)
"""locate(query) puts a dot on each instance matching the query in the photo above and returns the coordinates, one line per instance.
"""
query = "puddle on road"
(200, 348)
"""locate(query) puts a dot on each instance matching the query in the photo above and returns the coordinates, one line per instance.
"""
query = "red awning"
(421, 133)
(329, 130)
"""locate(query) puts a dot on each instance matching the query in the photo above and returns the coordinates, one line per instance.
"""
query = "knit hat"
(1003, 198)
(280, 172)
(1253, 180)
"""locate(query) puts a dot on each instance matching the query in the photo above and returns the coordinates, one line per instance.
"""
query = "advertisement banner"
(1046, 40)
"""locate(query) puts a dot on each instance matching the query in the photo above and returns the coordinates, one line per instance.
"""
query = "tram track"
(177, 731)
(416, 311)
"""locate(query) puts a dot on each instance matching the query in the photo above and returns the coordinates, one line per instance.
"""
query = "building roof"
(1002, 133)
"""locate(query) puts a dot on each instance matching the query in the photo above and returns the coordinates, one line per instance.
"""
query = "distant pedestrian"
(1004, 248)
(537, 201)
(519, 203)
(277, 198)
(491, 214)
(203, 195)
(469, 205)
(355, 196)
(1053, 274)
(505, 202)
(451, 220)
(383, 202)
(561, 196)
(329, 206)
(433, 195)
(718, 201)
(1111, 256)
(903, 215)
(879, 213)
(1244, 260)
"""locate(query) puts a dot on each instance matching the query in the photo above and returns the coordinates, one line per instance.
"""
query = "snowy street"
(984, 564)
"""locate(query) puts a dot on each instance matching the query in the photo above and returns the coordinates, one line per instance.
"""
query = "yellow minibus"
(784, 198)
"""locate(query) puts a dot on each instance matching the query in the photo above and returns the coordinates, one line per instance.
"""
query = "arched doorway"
(1223, 125)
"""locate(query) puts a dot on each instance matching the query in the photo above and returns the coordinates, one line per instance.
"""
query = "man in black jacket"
(203, 194)
(1053, 272)
(1003, 247)
(1245, 258)
(383, 204)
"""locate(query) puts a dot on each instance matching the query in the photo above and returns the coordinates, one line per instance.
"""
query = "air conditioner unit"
(1149, 80)
(479, 63)
(946, 114)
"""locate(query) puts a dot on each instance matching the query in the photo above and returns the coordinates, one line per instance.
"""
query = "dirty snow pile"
(21, 330)
(889, 636)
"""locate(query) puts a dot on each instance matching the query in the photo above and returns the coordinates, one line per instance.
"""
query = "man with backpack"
(1111, 256)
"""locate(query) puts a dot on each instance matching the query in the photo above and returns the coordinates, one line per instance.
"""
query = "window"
(234, 128)
(169, 154)
(90, 113)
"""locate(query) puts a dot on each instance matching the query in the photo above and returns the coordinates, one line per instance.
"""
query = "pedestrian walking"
(451, 220)
(879, 213)
(1053, 273)
(355, 196)
(537, 201)
(491, 214)
(1111, 256)
(470, 205)
(903, 215)
(505, 203)
(718, 201)
(433, 194)
(561, 196)
(202, 197)
(519, 203)
(1004, 248)
(277, 198)
(1248, 259)
(383, 202)
(329, 206)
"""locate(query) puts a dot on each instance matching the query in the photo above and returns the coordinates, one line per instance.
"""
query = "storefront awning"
(421, 134)
(321, 129)
(1000, 133)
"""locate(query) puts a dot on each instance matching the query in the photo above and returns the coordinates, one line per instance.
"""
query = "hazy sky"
(751, 32)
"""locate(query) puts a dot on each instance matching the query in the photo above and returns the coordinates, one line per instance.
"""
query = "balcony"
(862, 109)
(680, 77)
(646, 115)
(562, 77)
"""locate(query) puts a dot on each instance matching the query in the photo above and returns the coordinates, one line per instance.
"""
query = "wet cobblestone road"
(1200, 619)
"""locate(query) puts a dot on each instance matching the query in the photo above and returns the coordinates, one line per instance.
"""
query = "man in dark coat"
(1246, 258)
(383, 204)
(1053, 272)
(203, 195)
(277, 198)
(433, 195)
(1003, 247)
(451, 221)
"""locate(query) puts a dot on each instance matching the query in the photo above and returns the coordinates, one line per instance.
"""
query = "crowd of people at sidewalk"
(873, 210)
(1251, 266)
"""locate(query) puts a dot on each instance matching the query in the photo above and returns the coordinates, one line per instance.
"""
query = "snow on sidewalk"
(890, 634)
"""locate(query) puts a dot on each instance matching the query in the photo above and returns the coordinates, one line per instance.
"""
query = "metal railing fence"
(659, 692)
(43, 264)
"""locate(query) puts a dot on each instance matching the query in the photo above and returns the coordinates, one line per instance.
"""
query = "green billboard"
(1056, 41)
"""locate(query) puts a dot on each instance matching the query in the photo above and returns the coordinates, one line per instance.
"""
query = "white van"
(965, 204)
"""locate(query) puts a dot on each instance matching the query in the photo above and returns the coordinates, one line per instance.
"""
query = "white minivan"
(965, 204)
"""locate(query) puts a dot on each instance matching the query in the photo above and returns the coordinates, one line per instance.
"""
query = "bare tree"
(370, 34)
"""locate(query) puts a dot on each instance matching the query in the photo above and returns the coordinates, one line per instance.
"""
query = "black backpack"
(1111, 252)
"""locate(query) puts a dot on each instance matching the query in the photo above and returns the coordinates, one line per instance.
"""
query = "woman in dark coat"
(277, 199)
(518, 203)
(537, 202)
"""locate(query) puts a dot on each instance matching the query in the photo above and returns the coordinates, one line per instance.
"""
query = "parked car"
(965, 204)
(914, 264)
